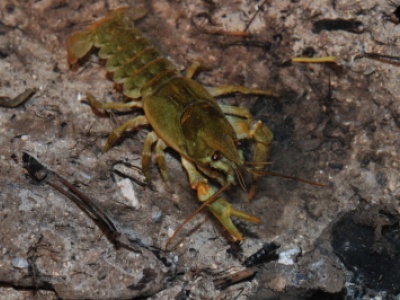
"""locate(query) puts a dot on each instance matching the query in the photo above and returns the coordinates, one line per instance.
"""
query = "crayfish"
(182, 113)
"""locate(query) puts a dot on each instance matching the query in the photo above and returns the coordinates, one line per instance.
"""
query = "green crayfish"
(182, 113)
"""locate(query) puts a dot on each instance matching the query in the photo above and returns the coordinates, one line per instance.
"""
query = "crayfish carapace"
(182, 113)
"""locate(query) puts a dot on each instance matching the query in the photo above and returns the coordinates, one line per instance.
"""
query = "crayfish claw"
(223, 211)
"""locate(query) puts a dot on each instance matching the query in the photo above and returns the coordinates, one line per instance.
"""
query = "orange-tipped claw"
(223, 211)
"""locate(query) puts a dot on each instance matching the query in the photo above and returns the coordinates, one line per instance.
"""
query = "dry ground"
(337, 124)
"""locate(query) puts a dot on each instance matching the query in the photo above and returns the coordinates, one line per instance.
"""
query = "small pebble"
(286, 257)
(20, 262)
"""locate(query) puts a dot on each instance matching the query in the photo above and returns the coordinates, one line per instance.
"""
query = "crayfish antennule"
(241, 179)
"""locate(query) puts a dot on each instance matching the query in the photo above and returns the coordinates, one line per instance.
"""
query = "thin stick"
(258, 8)
(324, 59)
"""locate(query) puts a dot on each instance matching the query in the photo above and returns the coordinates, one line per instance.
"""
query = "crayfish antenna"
(269, 173)
(254, 187)
(258, 163)
(298, 179)
(192, 215)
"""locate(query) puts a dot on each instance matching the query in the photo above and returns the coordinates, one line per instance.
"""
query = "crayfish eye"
(217, 155)
(239, 144)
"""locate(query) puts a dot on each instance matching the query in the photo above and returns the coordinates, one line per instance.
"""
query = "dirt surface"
(336, 124)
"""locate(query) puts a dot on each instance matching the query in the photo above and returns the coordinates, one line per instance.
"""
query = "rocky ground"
(333, 123)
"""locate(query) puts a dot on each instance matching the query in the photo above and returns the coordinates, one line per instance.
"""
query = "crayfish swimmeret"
(182, 113)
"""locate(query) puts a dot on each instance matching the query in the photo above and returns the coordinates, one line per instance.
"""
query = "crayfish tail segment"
(78, 45)
(81, 42)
